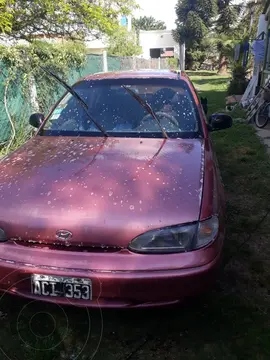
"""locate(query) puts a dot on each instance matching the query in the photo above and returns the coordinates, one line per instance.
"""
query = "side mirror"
(36, 120)
(219, 122)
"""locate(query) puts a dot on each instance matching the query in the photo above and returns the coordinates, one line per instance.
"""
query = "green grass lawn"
(207, 85)
(230, 323)
(214, 87)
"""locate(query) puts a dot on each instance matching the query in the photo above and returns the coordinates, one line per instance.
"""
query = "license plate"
(57, 286)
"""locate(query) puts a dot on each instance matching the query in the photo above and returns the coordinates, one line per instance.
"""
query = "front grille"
(74, 248)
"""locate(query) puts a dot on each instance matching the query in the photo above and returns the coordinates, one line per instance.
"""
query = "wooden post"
(105, 61)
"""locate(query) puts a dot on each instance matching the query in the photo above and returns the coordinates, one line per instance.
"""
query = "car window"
(117, 111)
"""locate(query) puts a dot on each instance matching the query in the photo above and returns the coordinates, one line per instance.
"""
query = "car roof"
(139, 74)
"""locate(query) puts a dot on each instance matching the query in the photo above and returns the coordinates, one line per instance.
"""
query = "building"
(266, 65)
(158, 44)
(154, 43)
(96, 46)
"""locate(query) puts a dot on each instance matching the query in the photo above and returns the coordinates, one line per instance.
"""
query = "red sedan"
(117, 200)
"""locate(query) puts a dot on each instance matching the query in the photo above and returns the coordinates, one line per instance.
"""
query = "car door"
(218, 183)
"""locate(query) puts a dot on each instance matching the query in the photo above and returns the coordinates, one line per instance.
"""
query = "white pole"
(33, 94)
(182, 56)
(129, 24)
(105, 61)
(134, 63)
(159, 63)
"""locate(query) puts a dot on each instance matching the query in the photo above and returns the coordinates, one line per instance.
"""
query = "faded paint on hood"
(105, 191)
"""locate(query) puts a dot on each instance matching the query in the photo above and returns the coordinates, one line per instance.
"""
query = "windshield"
(120, 114)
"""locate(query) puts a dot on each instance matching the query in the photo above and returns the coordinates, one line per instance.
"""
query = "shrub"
(21, 75)
(239, 81)
(123, 43)
(173, 63)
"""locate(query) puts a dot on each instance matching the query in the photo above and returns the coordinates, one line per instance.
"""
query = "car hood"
(105, 191)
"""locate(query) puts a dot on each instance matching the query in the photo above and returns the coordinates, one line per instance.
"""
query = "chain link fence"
(135, 63)
(17, 105)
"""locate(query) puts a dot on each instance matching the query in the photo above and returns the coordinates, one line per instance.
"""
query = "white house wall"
(157, 39)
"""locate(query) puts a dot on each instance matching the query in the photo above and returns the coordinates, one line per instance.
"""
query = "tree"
(205, 9)
(66, 18)
(148, 23)
(194, 19)
(5, 17)
(247, 27)
(235, 22)
(205, 51)
(225, 46)
(225, 27)
(227, 16)
(123, 43)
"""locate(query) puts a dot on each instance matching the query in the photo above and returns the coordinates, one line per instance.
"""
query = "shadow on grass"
(210, 324)
(211, 82)
(201, 73)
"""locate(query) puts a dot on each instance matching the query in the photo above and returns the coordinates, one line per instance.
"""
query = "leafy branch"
(73, 19)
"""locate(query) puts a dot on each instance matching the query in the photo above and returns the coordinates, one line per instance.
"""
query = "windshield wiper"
(77, 96)
(147, 107)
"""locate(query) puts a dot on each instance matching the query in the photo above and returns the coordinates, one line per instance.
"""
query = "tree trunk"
(223, 65)
(188, 62)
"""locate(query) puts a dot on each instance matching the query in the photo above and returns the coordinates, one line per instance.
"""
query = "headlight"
(207, 232)
(177, 239)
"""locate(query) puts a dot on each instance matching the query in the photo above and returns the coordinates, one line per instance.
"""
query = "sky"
(165, 11)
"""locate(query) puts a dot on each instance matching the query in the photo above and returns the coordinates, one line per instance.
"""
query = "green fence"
(12, 104)
(17, 107)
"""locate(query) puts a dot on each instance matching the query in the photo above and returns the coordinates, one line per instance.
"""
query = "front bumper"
(118, 280)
